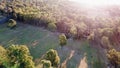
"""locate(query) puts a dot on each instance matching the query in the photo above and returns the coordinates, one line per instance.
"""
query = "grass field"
(40, 40)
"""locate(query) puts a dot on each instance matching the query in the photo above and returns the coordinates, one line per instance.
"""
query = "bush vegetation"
(62, 40)
(3, 56)
(114, 58)
(46, 63)
(52, 26)
(11, 23)
(16, 56)
(53, 57)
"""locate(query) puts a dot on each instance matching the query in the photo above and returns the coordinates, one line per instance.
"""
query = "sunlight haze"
(98, 2)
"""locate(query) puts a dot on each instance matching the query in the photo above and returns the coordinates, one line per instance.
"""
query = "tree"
(62, 39)
(2, 8)
(53, 57)
(12, 23)
(52, 26)
(46, 63)
(91, 36)
(73, 30)
(14, 15)
(20, 55)
(113, 57)
(81, 30)
(3, 56)
(105, 42)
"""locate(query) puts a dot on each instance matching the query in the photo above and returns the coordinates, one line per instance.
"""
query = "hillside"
(90, 31)
(39, 41)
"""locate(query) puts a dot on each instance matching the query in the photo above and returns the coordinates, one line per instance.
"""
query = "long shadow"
(4, 19)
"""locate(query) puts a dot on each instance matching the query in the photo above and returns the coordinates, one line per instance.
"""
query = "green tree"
(53, 57)
(12, 23)
(91, 36)
(62, 39)
(46, 63)
(114, 57)
(52, 26)
(3, 56)
(20, 55)
(73, 30)
(105, 42)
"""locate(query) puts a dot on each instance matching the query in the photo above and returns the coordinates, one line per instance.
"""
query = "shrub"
(3, 56)
(73, 30)
(12, 23)
(46, 63)
(14, 16)
(15, 57)
(114, 57)
(91, 36)
(52, 26)
(62, 39)
(105, 42)
(53, 57)
(20, 55)
(2, 9)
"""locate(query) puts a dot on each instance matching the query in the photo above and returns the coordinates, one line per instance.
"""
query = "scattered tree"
(91, 36)
(52, 26)
(20, 55)
(53, 57)
(73, 30)
(3, 56)
(114, 57)
(12, 23)
(105, 42)
(46, 63)
(62, 40)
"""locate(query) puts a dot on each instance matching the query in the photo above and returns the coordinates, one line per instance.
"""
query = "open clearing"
(40, 40)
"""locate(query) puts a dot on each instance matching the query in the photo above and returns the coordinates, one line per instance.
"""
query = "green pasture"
(39, 40)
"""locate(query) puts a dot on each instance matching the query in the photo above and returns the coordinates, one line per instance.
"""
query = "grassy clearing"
(40, 40)
(28, 36)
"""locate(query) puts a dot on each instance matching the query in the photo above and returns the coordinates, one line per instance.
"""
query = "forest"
(58, 34)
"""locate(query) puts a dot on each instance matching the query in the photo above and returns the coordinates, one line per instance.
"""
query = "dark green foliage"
(3, 56)
(15, 57)
(46, 63)
(53, 57)
(12, 23)
(20, 55)
(62, 40)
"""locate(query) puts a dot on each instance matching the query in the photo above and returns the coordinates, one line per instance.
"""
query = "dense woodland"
(100, 29)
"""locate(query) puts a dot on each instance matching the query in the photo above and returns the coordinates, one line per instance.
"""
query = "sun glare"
(97, 2)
